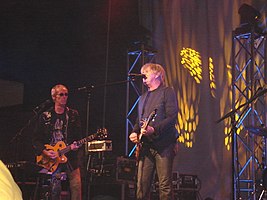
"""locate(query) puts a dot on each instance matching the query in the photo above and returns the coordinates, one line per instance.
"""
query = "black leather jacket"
(43, 133)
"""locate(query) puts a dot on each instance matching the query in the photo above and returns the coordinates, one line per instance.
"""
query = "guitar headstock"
(152, 115)
(102, 133)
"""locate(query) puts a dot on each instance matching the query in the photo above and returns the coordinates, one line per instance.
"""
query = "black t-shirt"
(58, 128)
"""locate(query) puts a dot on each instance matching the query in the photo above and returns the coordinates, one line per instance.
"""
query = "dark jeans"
(150, 160)
(74, 183)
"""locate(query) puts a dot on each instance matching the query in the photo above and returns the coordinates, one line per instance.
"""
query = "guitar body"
(49, 163)
(144, 126)
(137, 150)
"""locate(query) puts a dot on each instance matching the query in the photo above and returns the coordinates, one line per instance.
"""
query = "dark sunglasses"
(63, 94)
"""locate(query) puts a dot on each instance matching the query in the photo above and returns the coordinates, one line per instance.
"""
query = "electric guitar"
(150, 118)
(52, 164)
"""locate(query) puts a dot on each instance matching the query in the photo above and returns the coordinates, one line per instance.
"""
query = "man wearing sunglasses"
(60, 123)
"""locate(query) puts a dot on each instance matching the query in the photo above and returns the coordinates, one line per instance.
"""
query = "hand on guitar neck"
(74, 146)
(50, 153)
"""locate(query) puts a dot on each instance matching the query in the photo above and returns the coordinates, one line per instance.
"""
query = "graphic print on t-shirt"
(57, 134)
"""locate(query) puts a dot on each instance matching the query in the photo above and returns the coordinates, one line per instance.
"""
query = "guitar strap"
(144, 105)
(66, 136)
(66, 127)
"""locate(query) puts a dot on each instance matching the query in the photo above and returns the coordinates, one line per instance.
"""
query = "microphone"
(133, 75)
(42, 105)
(86, 88)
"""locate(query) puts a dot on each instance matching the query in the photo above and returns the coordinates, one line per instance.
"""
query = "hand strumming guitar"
(134, 137)
(50, 153)
(54, 154)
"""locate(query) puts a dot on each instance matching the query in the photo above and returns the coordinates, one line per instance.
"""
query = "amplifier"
(126, 170)
(23, 171)
(175, 182)
(99, 146)
(180, 182)
(188, 182)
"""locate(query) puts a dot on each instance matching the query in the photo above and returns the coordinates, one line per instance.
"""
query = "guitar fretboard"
(80, 142)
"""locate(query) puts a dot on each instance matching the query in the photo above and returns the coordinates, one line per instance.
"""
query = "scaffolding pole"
(248, 123)
(137, 56)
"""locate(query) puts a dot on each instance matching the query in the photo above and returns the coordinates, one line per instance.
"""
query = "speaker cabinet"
(186, 195)
(105, 191)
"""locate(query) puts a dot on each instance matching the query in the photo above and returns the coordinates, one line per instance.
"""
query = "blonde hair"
(55, 89)
(156, 68)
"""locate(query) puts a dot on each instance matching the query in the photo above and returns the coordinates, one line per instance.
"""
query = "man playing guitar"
(157, 112)
(56, 125)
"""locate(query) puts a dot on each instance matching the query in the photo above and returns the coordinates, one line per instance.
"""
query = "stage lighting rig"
(250, 20)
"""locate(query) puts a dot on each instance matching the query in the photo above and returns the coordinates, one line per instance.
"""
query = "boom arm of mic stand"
(28, 124)
(89, 90)
(257, 95)
(112, 83)
(232, 112)
(91, 87)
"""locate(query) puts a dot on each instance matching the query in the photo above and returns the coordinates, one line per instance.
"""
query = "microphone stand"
(254, 97)
(88, 89)
(234, 122)
(17, 148)
(19, 134)
(16, 156)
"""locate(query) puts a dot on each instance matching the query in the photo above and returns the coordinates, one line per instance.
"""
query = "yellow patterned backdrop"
(194, 40)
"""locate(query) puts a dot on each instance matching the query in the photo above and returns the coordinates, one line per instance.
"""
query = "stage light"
(249, 20)
(248, 14)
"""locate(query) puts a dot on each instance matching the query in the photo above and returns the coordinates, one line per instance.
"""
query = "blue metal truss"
(248, 81)
(137, 56)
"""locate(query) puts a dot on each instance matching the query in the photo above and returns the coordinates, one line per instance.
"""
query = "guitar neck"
(86, 139)
(145, 125)
(146, 122)
(80, 142)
